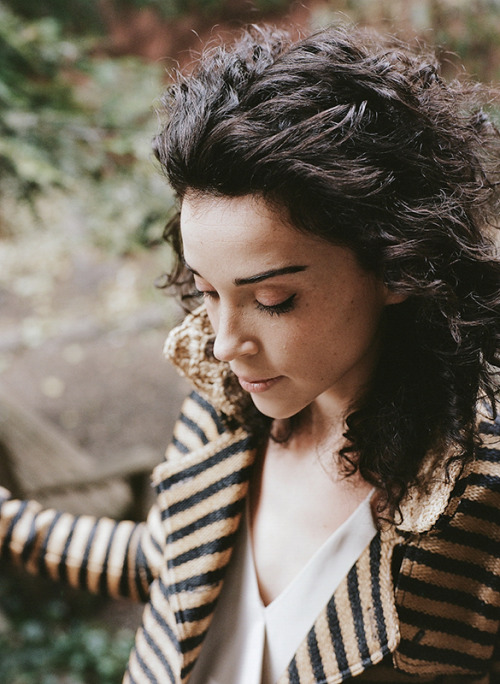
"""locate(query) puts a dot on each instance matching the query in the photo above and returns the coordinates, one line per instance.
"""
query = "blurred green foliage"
(31, 93)
(173, 8)
(73, 124)
(41, 642)
(82, 14)
(78, 16)
(471, 29)
(465, 32)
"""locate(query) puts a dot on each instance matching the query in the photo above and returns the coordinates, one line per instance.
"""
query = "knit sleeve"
(101, 555)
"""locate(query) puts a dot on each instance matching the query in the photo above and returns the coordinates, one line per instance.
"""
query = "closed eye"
(272, 309)
(277, 309)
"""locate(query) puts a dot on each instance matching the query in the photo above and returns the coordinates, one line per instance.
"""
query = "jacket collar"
(189, 347)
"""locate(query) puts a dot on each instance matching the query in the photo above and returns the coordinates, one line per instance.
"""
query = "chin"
(274, 410)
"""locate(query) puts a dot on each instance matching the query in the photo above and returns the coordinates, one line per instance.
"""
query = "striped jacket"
(422, 603)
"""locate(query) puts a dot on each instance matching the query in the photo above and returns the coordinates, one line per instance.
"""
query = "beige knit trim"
(189, 347)
(421, 509)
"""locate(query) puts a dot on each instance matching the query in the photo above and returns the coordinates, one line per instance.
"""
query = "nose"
(232, 338)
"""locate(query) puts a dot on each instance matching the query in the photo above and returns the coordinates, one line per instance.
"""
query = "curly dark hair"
(359, 139)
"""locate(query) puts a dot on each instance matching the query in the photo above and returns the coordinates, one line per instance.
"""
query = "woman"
(329, 505)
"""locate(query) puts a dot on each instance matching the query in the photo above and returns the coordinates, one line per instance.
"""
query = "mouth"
(255, 386)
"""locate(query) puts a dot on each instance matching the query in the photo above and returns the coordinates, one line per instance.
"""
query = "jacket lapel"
(201, 499)
(357, 628)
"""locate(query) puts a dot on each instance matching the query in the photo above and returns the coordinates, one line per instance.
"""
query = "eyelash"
(278, 309)
(205, 294)
(274, 310)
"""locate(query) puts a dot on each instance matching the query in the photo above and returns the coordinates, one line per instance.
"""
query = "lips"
(261, 385)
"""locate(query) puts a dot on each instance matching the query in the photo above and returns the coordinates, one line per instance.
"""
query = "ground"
(81, 341)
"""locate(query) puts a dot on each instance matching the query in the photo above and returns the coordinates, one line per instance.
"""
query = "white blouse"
(249, 643)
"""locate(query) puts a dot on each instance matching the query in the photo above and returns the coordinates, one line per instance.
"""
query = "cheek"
(346, 330)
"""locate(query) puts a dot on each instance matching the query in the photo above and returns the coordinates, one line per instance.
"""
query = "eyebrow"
(269, 274)
(259, 277)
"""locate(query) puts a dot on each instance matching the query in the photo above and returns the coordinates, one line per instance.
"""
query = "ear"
(393, 297)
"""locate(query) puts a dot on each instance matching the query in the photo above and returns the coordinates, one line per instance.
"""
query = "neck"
(311, 433)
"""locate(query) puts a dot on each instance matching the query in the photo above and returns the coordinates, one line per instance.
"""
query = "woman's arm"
(118, 559)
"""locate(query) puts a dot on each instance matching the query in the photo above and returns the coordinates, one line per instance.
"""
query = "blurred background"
(86, 402)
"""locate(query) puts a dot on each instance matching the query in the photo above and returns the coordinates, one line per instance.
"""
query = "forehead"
(207, 212)
(227, 240)
(245, 224)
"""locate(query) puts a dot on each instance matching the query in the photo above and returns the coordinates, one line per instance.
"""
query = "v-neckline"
(290, 615)
(329, 546)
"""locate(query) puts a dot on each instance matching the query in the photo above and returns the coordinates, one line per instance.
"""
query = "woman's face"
(297, 318)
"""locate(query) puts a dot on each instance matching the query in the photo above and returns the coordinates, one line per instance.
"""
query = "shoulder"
(198, 424)
(453, 486)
